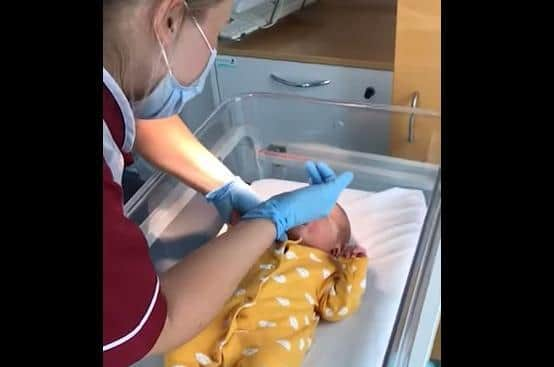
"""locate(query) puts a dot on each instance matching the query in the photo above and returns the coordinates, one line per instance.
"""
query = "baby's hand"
(353, 251)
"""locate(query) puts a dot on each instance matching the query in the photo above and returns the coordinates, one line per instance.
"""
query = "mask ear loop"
(164, 55)
(198, 27)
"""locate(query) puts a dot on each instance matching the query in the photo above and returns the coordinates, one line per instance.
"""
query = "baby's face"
(326, 233)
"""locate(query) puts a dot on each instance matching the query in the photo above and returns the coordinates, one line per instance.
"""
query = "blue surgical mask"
(169, 96)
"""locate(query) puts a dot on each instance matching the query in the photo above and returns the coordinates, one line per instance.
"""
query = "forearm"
(169, 145)
(198, 286)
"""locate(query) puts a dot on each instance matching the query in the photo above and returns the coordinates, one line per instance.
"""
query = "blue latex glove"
(319, 172)
(291, 209)
(235, 194)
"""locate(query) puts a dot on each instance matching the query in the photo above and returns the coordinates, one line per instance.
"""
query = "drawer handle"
(411, 122)
(316, 83)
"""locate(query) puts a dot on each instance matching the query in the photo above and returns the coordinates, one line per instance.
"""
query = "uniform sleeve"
(134, 309)
(341, 294)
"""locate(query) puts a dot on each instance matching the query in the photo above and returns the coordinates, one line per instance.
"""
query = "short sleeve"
(134, 308)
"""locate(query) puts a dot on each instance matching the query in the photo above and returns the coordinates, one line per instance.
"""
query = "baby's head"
(326, 233)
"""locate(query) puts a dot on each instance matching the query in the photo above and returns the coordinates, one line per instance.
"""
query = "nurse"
(157, 55)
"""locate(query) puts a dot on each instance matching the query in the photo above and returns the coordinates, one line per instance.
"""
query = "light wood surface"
(355, 33)
(417, 68)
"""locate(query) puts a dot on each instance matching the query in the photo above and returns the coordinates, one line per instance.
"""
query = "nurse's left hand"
(234, 195)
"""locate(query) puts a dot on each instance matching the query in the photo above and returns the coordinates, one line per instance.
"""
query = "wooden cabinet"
(417, 69)
(237, 75)
(401, 37)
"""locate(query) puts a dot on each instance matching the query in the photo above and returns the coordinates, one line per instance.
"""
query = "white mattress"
(388, 224)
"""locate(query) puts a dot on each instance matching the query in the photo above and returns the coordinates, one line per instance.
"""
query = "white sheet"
(388, 225)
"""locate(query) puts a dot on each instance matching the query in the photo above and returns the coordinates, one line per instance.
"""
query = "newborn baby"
(271, 318)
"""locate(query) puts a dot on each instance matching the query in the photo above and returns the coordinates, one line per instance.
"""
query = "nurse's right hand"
(235, 195)
(291, 209)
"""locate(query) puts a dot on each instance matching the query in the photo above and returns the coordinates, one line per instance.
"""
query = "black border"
(53, 290)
